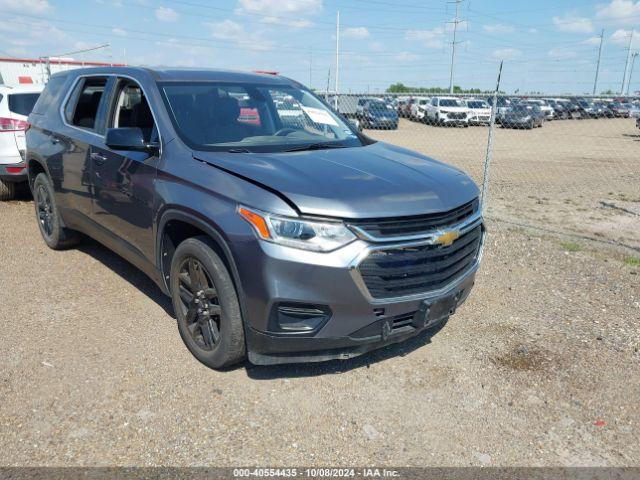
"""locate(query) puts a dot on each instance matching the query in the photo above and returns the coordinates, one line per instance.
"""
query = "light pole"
(633, 61)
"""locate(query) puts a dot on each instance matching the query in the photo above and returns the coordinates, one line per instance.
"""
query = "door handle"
(55, 140)
(98, 158)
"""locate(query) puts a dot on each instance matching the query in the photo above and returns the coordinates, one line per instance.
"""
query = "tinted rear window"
(22, 103)
(49, 95)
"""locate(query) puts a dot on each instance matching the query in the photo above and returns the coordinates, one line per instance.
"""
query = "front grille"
(457, 115)
(396, 272)
(423, 224)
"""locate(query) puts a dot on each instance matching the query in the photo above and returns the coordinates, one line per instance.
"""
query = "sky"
(548, 46)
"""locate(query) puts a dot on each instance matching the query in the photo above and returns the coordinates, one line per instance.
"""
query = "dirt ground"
(539, 367)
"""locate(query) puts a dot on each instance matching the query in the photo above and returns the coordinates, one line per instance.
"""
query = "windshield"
(449, 102)
(521, 110)
(477, 104)
(378, 106)
(253, 117)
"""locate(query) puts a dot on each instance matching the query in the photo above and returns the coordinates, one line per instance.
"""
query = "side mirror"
(130, 138)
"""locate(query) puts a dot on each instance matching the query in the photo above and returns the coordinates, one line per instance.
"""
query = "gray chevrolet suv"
(280, 232)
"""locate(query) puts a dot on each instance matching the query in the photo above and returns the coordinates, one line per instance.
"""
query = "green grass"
(571, 246)
(633, 261)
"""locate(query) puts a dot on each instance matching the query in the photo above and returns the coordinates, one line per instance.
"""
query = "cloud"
(573, 24)
(32, 32)
(506, 53)
(281, 12)
(592, 41)
(233, 31)
(119, 31)
(25, 6)
(428, 38)
(498, 28)
(621, 37)
(355, 32)
(623, 12)
(406, 57)
(166, 14)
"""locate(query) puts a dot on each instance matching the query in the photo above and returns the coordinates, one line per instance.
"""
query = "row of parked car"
(517, 112)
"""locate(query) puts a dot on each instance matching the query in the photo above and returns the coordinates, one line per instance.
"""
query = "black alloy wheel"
(200, 304)
(44, 209)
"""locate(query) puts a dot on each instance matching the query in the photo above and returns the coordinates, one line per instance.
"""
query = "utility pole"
(47, 58)
(595, 82)
(633, 61)
(626, 65)
(337, 56)
(455, 22)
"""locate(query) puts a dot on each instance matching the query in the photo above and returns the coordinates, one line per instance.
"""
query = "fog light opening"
(298, 318)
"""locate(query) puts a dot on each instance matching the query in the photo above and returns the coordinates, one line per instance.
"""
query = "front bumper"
(275, 275)
(480, 119)
(387, 123)
(445, 119)
(268, 349)
(13, 172)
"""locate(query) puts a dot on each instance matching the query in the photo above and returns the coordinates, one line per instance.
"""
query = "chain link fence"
(563, 165)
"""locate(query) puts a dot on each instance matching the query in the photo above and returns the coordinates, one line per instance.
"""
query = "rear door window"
(22, 103)
(83, 105)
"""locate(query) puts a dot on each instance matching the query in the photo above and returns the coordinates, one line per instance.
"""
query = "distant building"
(15, 71)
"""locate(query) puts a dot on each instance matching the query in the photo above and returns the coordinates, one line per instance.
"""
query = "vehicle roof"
(28, 88)
(185, 74)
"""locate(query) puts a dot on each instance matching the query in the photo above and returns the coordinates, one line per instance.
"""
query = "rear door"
(83, 115)
(123, 181)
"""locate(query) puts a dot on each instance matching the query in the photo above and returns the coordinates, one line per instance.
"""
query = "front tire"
(53, 233)
(206, 304)
(7, 190)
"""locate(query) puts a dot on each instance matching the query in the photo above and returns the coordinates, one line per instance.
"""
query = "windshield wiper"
(314, 146)
(239, 150)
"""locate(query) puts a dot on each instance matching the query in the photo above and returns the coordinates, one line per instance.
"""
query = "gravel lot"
(539, 367)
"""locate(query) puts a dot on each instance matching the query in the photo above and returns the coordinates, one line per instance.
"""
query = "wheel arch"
(35, 167)
(176, 226)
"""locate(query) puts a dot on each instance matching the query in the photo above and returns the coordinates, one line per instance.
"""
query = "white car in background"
(16, 104)
(479, 111)
(547, 110)
(634, 109)
(419, 109)
(447, 111)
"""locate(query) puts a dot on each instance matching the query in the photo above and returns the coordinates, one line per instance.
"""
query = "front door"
(123, 181)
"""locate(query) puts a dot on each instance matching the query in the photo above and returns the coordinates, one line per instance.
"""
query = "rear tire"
(210, 323)
(53, 233)
(7, 190)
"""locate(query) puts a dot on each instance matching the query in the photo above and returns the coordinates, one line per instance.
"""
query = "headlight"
(445, 111)
(297, 233)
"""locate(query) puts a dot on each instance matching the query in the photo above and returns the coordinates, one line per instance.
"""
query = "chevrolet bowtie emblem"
(447, 238)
